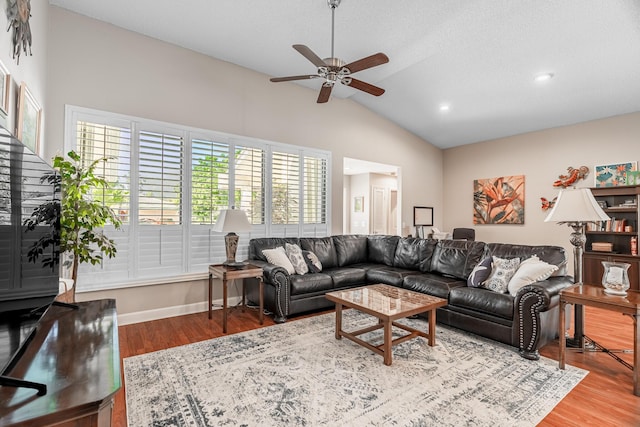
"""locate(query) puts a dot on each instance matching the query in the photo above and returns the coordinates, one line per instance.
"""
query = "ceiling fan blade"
(310, 55)
(288, 79)
(363, 86)
(368, 62)
(325, 92)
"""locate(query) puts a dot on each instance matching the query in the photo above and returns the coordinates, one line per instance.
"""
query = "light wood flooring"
(603, 398)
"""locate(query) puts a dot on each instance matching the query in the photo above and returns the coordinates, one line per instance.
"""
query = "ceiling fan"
(332, 70)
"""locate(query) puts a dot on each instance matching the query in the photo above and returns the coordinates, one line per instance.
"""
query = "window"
(169, 183)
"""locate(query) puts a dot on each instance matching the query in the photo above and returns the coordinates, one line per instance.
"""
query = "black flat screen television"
(29, 244)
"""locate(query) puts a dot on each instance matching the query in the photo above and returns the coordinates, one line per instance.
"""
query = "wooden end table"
(595, 296)
(387, 303)
(220, 271)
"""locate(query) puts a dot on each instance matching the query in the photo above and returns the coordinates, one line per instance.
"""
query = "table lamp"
(576, 207)
(231, 221)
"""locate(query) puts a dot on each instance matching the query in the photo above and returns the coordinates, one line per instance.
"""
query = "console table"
(224, 273)
(595, 296)
(75, 353)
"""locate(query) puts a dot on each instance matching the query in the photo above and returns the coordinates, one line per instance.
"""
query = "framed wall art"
(358, 204)
(614, 174)
(422, 216)
(5, 86)
(499, 200)
(29, 115)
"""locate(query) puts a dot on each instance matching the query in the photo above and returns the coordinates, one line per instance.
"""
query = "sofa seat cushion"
(389, 275)
(432, 284)
(310, 283)
(346, 276)
(483, 300)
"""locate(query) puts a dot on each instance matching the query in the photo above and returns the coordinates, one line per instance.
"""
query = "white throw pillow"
(530, 271)
(502, 271)
(278, 256)
(294, 252)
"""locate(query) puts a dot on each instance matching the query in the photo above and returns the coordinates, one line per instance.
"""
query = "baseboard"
(176, 310)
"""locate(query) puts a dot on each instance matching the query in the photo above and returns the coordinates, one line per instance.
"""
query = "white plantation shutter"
(169, 183)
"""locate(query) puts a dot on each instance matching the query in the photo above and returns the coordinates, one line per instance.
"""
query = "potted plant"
(82, 218)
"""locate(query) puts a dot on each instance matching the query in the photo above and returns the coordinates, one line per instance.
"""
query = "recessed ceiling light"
(445, 107)
(543, 77)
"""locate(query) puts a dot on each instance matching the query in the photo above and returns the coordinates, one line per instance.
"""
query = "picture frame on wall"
(358, 204)
(29, 118)
(613, 175)
(5, 86)
(422, 216)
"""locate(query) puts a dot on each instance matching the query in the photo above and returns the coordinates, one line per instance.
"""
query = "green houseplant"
(82, 217)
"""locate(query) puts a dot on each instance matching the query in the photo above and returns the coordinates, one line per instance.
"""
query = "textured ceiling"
(480, 57)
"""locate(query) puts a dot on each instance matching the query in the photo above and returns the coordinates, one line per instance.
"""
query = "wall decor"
(358, 204)
(614, 174)
(18, 14)
(573, 175)
(499, 200)
(5, 86)
(422, 216)
(29, 114)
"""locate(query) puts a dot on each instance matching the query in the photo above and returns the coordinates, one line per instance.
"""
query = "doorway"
(372, 198)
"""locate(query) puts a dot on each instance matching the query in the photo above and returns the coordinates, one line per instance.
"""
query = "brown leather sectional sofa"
(526, 321)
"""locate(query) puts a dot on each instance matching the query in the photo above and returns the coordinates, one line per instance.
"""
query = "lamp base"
(235, 265)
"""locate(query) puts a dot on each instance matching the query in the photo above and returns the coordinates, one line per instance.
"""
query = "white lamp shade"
(576, 205)
(232, 220)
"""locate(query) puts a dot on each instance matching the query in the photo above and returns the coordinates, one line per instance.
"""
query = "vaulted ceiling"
(479, 58)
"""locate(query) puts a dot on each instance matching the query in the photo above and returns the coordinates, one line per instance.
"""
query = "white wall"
(96, 65)
(541, 157)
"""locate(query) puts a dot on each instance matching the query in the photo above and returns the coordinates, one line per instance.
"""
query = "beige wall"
(96, 65)
(540, 157)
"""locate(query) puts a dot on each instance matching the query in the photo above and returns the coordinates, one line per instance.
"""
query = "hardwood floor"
(603, 398)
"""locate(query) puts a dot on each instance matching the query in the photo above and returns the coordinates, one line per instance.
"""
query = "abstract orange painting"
(499, 200)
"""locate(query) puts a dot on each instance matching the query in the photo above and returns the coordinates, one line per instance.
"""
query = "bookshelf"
(622, 206)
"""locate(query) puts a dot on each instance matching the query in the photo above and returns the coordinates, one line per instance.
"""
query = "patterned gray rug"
(298, 374)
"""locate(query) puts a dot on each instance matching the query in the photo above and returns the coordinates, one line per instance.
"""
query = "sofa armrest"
(278, 277)
(531, 302)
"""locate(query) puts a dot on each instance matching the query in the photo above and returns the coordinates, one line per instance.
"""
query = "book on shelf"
(612, 225)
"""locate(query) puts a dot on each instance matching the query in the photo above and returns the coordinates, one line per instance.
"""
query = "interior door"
(379, 210)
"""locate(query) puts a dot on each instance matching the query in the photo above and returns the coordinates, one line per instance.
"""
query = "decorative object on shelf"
(547, 204)
(634, 245)
(573, 175)
(615, 278)
(499, 200)
(18, 14)
(633, 178)
(5, 87)
(29, 116)
(230, 221)
(613, 175)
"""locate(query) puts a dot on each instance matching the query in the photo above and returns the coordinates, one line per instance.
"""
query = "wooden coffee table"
(388, 304)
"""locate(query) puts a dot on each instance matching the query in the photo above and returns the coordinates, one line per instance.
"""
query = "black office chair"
(464, 234)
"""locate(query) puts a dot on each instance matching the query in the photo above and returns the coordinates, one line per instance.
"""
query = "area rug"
(298, 374)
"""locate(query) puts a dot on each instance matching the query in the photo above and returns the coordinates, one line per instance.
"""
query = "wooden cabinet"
(622, 206)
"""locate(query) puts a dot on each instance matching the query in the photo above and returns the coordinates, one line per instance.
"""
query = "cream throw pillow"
(530, 271)
(278, 256)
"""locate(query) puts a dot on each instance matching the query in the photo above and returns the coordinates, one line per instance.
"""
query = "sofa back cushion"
(256, 246)
(554, 255)
(382, 249)
(414, 254)
(324, 249)
(456, 258)
(350, 249)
